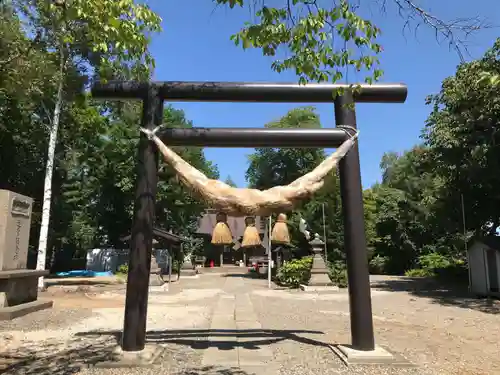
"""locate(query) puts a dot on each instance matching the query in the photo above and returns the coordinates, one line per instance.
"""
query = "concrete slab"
(12, 312)
(248, 325)
(158, 288)
(106, 280)
(188, 273)
(378, 356)
(235, 312)
(223, 325)
(148, 357)
(253, 354)
(195, 276)
(246, 317)
(214, 356)
(319, 289)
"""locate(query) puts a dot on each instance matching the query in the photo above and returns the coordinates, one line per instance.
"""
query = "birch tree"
(94, 35)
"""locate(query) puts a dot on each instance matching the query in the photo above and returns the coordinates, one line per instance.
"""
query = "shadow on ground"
(247, 275)
(83, 281)
(439, 292)
(52, 357)
(65, 357)
(199, 339)
(211, 370)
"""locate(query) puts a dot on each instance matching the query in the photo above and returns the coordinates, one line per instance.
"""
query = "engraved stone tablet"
(15, 221)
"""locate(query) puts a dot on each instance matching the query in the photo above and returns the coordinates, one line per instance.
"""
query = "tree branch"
(455, 31)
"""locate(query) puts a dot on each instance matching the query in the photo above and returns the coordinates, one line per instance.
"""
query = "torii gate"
(153, 95)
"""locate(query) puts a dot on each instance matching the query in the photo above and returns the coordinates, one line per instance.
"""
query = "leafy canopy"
(310, 39)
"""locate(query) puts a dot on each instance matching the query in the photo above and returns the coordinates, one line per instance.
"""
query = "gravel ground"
(55, 341)
(46, 319)
(441, 339)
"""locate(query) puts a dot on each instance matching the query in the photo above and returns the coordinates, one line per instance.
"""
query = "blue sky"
(195, 46)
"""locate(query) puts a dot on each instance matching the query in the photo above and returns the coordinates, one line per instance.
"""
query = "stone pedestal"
(319, 271)
(319, 281)
(187, 267)
(155, 273)
(18, 285)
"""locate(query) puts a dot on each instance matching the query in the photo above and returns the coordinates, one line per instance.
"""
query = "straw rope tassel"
(221, 234)
(251, 235)
(280, 232)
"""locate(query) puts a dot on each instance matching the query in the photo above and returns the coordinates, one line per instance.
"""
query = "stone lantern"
(319, 271)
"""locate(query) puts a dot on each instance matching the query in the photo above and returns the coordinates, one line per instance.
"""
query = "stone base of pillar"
(148, 357)
(377, 356)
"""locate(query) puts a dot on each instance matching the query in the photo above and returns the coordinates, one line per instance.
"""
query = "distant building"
(484, 266)
(233, 253)
(110, 259)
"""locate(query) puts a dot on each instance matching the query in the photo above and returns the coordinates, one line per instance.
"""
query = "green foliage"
(434, 261)
(102, 33)
(378, 264)
(123, 269)
(295, 272)
(457, 273)
(194, 247)
(413, 217)
(95, 158)
(418, 272)
(309, 39)
(337, 272)
(462, 134)
(270, 167)
(230, 181)
(442, 267)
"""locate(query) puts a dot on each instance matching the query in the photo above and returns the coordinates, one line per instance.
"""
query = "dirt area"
(86, 294)
(82, 300)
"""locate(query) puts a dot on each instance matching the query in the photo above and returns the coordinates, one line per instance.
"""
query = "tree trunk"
(47, 188)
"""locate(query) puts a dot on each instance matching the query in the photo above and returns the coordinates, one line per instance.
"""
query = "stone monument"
(18, 285)
(319, 281)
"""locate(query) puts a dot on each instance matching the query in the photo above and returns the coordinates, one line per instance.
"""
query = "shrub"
(123, 269)
(434, 261)
(337, 272)
(419, 272)
(455, 274)
(176, 265)
(295, 272)
(378, 265)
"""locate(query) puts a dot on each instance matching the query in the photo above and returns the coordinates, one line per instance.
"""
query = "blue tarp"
(83, 273)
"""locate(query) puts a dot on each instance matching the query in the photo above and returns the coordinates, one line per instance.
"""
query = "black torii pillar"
(141, 241)
(358, 274)
(153, 94)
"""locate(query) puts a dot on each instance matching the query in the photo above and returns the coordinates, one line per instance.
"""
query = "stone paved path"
(228, 344)
(244, 336)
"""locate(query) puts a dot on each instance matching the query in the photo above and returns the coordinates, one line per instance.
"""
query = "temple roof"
(236, 224)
